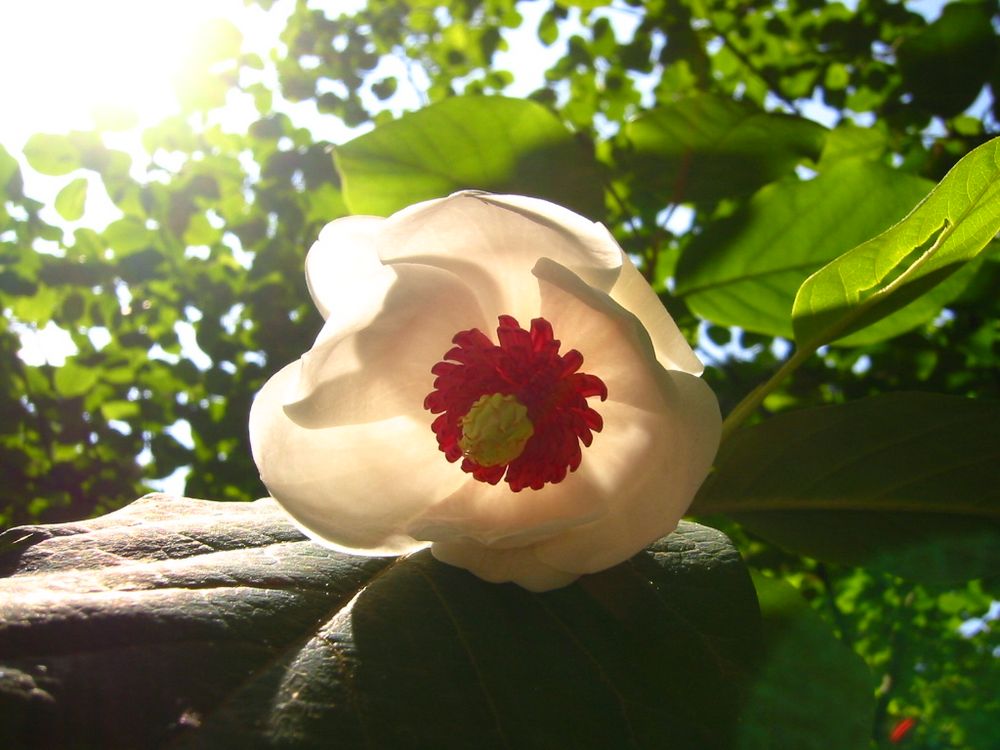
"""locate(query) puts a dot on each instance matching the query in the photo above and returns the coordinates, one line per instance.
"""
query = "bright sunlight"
(74, 62)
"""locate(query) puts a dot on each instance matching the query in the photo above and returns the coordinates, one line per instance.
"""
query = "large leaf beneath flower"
(906, 482)
(218, 625)
(812, 691)
(745, 270)
(948, 229)
(705, 148)
(488, 143)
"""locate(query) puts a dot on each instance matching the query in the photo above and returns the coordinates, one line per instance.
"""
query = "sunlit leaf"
(8, 168)
(119, 409)
(74, 380)
(906, 482)
(127, 235)
(950, 227)
(219, 625)
(745, 270)
(812, 692)
(488, 143)
(71, 199)
(37, 305)
(52, 154)
(706, 148)
(849, 141)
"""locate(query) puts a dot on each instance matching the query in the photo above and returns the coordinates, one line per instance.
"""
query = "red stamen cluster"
(527, 365)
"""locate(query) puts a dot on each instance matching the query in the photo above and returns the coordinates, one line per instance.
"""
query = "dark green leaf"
(812, 692)
(219, 625)
(488, 143)
(707, 148)
(946, 64)
(949, 228)
(906, 482)
(746, 269)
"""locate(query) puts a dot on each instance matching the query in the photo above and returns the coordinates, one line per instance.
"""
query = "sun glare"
(64, 60)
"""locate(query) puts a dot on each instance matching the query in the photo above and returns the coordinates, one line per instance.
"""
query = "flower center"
(495, 430)
(516, 410)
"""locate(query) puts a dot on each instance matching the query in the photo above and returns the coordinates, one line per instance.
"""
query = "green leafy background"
(812, 189)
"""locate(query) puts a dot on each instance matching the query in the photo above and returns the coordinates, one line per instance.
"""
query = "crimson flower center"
(516, 410)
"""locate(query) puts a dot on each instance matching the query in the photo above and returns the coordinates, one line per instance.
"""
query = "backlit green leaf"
(8, 168)
(706, 148)
(127, 235)
(906, 482)
(487, 143)
(74, 380)
(52, 154)
(950, 227)
(119, 409)
(71, 199)
(218, 625)
(745, 270)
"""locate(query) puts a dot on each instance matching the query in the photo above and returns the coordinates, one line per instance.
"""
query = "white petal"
(357, 487)
(671, 461)
(343, 271)
(661, 428)
(383, 369)
(633, 293)
(615, 345)
(492, 243)
(494, 515)
(519, 565)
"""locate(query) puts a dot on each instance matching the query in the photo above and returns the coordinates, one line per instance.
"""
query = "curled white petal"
(632, 292)
(355, 487)
(344, 273)
(382, 369)
(492, 243)
(677, 450)
(661, 431)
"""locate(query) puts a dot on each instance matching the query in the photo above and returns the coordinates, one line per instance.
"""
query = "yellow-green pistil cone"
(495, 430)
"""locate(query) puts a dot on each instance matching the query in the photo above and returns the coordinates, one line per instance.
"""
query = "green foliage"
(951, 227)
(705, 148)
(298, 644)
(495, 144)
(184, 302)
(71, 199)
(902, 482)
(945, 65)
(745, 269)
(802, 658)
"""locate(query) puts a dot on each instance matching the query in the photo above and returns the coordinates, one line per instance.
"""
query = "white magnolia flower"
(495, 379)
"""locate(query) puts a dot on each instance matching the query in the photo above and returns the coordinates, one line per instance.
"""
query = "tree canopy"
(764, 163)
